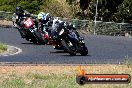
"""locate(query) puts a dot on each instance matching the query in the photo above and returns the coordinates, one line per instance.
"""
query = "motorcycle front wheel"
(68, 48)
(84, 50)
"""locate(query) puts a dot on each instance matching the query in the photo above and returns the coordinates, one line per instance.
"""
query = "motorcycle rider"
(46, 20)
(59, 24)
(47, 24)
(44, 24)
(19, 15)
(21, 12)
(43, 19)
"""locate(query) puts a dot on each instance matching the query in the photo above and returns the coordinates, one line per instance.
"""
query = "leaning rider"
(21, 13)
(44, 23)
(43, 19)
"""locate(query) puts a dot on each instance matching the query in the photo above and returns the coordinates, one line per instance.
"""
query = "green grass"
(3, 47)
(35, 80)
(38, 81)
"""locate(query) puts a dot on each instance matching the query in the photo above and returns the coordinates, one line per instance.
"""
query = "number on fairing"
(28, 23)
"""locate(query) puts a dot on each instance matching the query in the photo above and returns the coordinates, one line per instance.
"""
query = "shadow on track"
(28, 43)
(77, 55)
(32, 43)
(60, 51)
(67, 54)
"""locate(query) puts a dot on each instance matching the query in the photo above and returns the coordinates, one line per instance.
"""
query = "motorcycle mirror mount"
(81, 38)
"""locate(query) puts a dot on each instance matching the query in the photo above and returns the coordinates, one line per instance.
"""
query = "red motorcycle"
(28, 28)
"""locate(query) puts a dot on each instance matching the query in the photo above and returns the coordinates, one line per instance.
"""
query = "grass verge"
(57, 76)
(3, 47)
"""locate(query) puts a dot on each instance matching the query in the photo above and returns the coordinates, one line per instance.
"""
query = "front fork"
(22, 32)
(81, 44)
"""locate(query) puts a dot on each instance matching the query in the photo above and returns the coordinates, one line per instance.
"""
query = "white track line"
(8, 53)
(18, 50)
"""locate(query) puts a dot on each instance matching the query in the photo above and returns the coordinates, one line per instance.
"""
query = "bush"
(56, 8)
(32, 6)
(6, 8)
(2, 47)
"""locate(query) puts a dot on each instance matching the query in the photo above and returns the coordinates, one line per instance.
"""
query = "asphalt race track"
(102, 50)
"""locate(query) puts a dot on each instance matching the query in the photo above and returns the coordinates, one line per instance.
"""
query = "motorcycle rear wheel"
(39, 38)
(31, 37)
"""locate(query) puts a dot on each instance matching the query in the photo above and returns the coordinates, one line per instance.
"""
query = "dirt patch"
(46, 69)
(11, 50)
(5, 23)
(57, 76)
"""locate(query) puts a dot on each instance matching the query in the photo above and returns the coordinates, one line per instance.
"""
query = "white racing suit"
(56, 27)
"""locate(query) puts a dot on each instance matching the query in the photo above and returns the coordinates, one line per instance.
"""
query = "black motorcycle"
(69, 38)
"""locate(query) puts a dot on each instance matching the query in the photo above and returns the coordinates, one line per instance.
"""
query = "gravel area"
(5, 23)
(65, 69)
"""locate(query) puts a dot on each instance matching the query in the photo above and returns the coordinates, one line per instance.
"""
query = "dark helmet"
(19, 10)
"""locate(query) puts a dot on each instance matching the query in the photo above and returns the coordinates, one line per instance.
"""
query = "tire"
(22, 33)
(27, 38)
(32, 37)
(84, 50)
(67, 48)
(33, 40)
(39, 38)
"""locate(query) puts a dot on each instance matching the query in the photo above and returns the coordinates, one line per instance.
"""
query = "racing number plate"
(29, 22)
